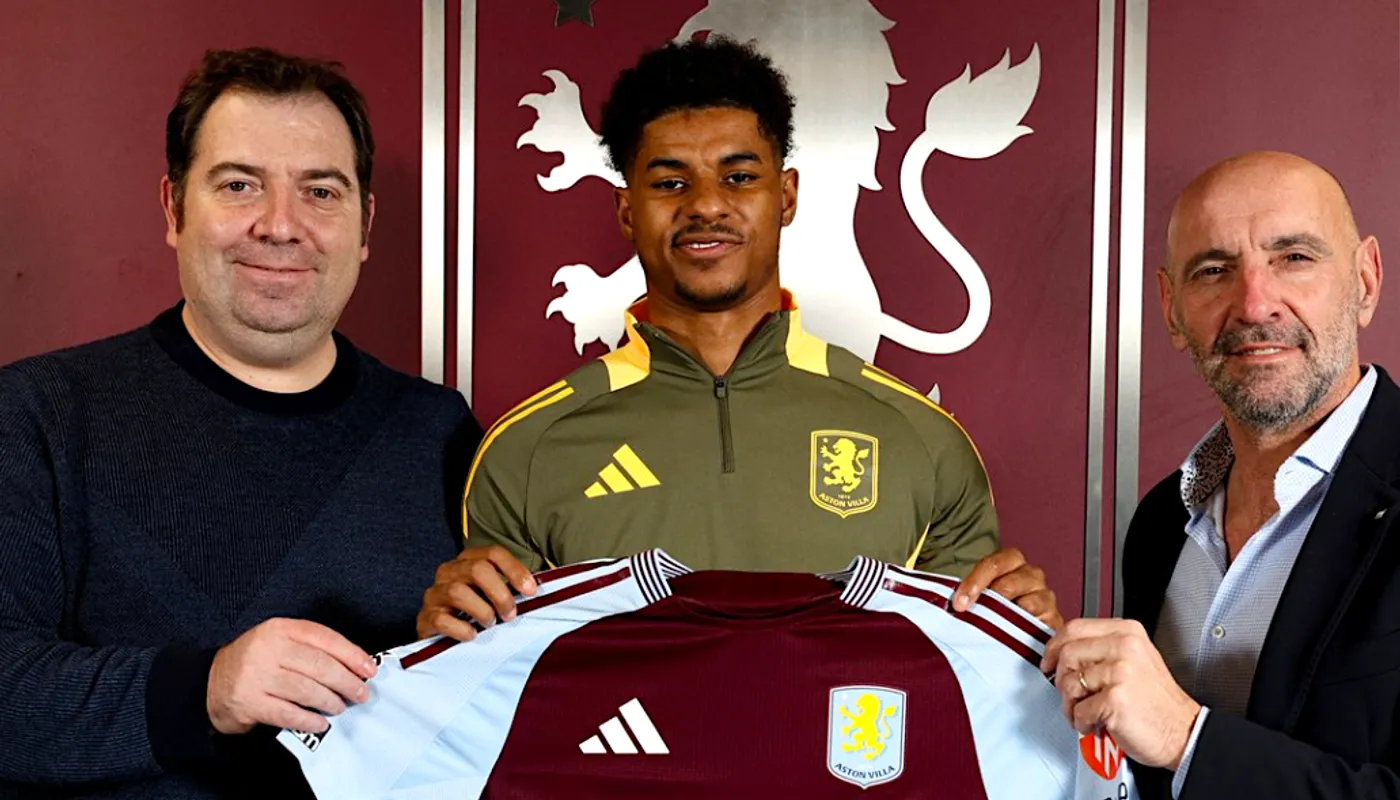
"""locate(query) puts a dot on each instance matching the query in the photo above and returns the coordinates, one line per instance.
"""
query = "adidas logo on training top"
(613, 479)
(615, 734)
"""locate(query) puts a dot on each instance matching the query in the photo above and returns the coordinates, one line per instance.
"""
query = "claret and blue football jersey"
(636, 678)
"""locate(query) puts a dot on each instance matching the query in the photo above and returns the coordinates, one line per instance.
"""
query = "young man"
(721, 432)
(210, 522)
(1260, 581)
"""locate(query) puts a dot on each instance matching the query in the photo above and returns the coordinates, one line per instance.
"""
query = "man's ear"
(622, 201)
(1371, 273)
(1165, 296)
(364, 229)
(789, 196)
(171, 207)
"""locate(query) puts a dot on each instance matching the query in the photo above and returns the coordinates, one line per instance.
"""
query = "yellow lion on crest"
(868, 728)
(846, 463)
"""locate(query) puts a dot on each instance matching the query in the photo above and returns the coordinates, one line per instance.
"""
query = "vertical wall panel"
(433, 197)
(1130, 193)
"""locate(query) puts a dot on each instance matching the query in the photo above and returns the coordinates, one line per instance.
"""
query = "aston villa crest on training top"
(845, 471)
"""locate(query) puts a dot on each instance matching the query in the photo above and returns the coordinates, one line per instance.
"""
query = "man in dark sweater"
(208, 524)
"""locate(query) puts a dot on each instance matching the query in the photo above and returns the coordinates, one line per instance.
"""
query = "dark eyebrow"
(1214, 254)
(258, 172)
(329, 172)
(233, 166)
(665, 163)
(1292, 240)
(743, 156)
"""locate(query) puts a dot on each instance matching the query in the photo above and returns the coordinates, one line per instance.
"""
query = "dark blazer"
(1324, 710)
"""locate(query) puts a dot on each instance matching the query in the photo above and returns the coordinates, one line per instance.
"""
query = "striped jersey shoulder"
(994, 616)
(649, 571)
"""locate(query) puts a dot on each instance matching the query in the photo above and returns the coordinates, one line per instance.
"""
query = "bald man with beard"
(1260, 657)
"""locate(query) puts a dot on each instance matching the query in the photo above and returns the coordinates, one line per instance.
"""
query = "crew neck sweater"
(153, 508)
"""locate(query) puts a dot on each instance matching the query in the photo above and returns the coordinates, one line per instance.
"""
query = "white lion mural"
(839, 67)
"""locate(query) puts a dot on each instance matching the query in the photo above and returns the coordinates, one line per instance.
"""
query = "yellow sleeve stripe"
(885, 379)
(518, 413)
(527, 401)
(888, 374)
(914, 556)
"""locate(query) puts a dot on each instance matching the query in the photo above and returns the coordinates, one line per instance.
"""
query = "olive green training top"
(799, 458)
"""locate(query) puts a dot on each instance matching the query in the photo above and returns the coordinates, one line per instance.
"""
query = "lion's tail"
(979, 294)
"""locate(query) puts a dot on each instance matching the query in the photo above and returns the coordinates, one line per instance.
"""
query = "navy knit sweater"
(153, 508)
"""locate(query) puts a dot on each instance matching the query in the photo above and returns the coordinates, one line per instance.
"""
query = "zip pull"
(726, 437)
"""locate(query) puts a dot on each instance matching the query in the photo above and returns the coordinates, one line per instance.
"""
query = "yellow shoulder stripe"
(520, 412)
(630, 363)
(805, 351)
(885, 379)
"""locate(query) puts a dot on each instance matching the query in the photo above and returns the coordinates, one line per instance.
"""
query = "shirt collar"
(1324, 448)
(1206, 467)
(1210, 460)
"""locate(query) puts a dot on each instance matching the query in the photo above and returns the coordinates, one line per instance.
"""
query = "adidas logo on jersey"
(614, 478)
(615, 734)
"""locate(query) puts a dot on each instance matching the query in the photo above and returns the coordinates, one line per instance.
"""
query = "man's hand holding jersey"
(1007, 573)
(281, 673)
(480, 584)
(1111, 677)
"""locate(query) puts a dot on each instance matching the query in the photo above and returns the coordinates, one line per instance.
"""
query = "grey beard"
(1276, 413)
(1300, 397)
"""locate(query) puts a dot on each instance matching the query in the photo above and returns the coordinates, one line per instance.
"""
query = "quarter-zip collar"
(780, 341)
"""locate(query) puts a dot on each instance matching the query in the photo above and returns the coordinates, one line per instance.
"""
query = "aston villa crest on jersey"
(865, 734)
(845, 471)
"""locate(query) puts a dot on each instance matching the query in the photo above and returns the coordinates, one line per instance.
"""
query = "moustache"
(1286, 335)
(717, 227)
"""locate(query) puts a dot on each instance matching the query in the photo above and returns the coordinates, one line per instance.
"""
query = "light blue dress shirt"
(1216, 613)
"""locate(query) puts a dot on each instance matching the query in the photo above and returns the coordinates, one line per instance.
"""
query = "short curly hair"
(717, 72)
